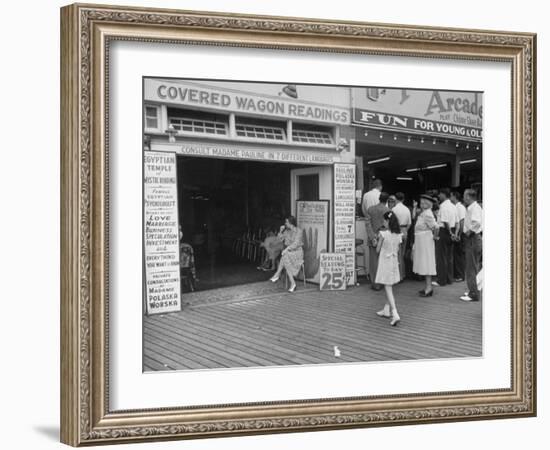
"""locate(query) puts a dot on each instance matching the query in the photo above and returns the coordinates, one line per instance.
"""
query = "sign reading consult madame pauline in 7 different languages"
(448, 114)
(206, 97)
(162, 271)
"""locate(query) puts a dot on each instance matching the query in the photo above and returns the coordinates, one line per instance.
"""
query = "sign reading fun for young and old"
(161, 238)
(448, 114)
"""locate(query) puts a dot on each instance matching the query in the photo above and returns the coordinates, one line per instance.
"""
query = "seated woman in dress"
(273, 246)
(424, 245)
(292, 257)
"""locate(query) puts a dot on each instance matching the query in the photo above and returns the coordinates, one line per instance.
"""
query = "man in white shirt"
(458, 239)
(473, 232)
(446, 220)
(403, 215)
(371, 198)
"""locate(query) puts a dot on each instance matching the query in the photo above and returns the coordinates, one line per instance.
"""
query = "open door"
(311, 200)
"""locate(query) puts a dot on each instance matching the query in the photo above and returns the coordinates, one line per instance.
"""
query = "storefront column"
(232, 132)
(289, 131)
(163, 124)
(455, 169)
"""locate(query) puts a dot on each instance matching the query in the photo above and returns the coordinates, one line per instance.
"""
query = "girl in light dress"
(387, 273)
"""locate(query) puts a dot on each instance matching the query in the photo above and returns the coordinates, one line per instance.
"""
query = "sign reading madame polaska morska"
(161, 233)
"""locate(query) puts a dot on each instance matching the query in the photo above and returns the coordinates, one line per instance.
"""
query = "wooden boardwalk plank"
(222, 342)
(252, 335)
(304, 327)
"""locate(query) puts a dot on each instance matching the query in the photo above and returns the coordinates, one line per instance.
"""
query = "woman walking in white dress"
(387, 273)
(424, 245)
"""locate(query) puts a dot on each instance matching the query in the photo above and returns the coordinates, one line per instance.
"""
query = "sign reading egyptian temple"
(161, 240)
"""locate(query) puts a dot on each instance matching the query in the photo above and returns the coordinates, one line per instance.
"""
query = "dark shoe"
(423, 293)
(376, 288)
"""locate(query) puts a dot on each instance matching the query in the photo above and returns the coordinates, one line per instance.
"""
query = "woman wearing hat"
(424, 245)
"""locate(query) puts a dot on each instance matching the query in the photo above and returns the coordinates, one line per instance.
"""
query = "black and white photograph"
(297, 224)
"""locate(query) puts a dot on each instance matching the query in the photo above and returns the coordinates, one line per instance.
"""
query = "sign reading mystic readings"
(162, 271)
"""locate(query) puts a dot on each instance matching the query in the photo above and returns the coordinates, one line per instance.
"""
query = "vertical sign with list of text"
(161, 239)
(344, 216)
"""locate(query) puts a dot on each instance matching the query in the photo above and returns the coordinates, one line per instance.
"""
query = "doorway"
(228, 207)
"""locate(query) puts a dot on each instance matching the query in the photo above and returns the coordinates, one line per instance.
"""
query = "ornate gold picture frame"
(86, 33)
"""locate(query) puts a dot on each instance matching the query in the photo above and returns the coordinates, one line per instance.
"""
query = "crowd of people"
(439, 237)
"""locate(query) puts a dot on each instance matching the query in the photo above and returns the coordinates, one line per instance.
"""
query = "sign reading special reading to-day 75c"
(162, 264)
(449, 114)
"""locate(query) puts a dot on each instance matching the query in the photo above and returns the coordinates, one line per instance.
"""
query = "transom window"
(151, 117)
(312, 134)
(198, 126)
(199, 122)
(260, 129)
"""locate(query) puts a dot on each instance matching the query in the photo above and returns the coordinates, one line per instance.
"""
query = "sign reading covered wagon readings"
(449, 114)
(195, 95)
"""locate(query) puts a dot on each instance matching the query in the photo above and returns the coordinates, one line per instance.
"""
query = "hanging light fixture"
(378, 160)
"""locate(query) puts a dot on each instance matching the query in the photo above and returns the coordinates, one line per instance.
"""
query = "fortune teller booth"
(241, 158)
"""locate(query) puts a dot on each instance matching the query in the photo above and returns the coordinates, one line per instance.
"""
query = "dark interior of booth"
(227, 208)
(415, 171)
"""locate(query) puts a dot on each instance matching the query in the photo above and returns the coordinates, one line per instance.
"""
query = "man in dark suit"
(374, 223)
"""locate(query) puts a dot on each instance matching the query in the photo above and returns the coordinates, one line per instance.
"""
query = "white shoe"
(466, 298)
(293, 288)
(274, 279)
(435, 283)
(385, 312)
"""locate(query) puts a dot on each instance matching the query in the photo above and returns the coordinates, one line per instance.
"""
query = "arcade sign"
(438, 113)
